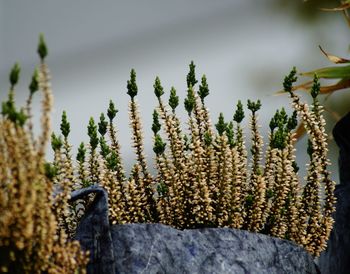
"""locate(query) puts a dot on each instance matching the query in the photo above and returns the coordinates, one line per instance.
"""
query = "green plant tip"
(14, 74)
(131, 84)
(56, 142)
(34, 84)
(158, 89)
(159, 145)
(65, 126)
(203, 88)
(239, 114)
(190, 101)
(42, 48)
(289, 80)
(315, 89)
(221, 125)
(102, 125)
(156, 124)
(191, 76)
(292, 121)
(92, 132)
(254, 106)
(173, 99)
(112, 111)
(81, 153)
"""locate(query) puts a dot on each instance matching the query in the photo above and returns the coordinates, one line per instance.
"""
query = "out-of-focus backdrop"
(244, 47)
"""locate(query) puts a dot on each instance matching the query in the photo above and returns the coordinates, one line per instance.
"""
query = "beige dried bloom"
(204, 177)
(31, 240)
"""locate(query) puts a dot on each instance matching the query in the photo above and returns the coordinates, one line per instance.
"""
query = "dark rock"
(336, 258)
(93, 231)
(156, 248)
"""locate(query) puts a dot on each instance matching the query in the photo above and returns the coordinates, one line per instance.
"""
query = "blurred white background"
(244, 47)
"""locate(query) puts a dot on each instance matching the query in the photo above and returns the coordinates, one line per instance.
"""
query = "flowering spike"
(112, 111)
(131, 84)
(190, 101)
(56, 142)
(81, 153)
(289, 80)
(156, 125)
(159, 145)
(34, 84)
(14, 75)
(203, 88)
(42, 48)
(102, 125)
(315, 89)
(174, 99)
(92, 132)
(221, 125)
(65, 126)
(239, 114)
(254, 106)
(191, 76)
(158, 89)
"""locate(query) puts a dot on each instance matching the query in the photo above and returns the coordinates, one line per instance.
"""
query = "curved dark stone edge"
(93, 231)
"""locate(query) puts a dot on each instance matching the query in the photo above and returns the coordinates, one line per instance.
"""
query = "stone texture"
(156, 248)
(93, 231)
(336, 258)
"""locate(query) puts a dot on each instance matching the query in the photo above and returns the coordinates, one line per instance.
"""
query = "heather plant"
(32, 239)
(204, 177)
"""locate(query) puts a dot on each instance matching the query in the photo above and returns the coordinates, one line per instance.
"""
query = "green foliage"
(190, 101)
(102, 125)
(112, 111)
(158, 89)
(81, 153)
(131, 85)
(208, 139)
(51, 171)
(92, 132)
(14, 75)
(159, 145)
(221, 125)
(203, 89)
(42, 48)
(173, 99)
(230, 134)
(105, 150)
(156, 125)
(65, 126)
(34, 84)
(292, 121)
(254, 106)
(315, 89)
(239, 114)
(279, 139)
(191, 76)
(56, 142)
(112, 161)
(162, 189)
(289, 80)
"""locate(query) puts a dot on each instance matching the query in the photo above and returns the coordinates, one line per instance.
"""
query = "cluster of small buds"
(204, 178)
(31, 238)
